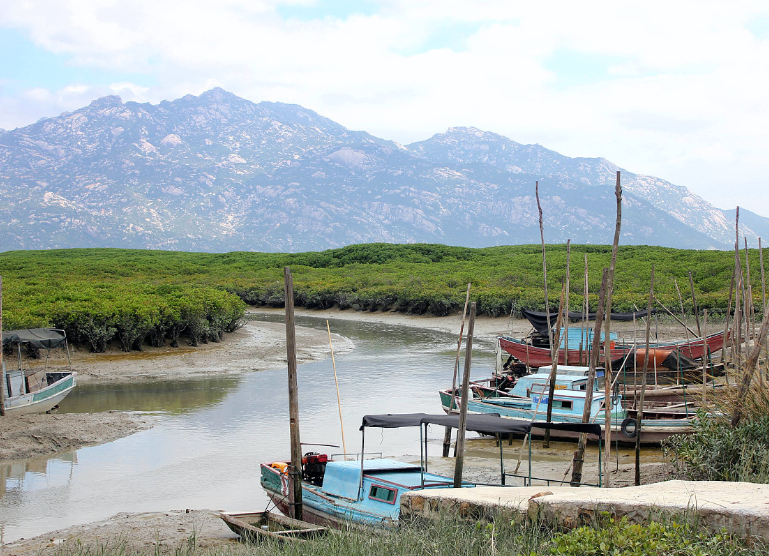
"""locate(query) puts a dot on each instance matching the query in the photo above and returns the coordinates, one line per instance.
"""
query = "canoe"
(255, 527)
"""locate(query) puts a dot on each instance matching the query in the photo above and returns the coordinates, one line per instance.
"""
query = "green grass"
(134, 296)
(448, 535)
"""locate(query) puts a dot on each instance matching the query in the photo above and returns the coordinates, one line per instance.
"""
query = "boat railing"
(355, 456)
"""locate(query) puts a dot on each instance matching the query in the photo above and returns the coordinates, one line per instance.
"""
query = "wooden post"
(554, 368)
(607, 342)
(640, 408)
(579, 455)
(544, 271)
(465, 397)
(750, 366)
(750, 312)
(338, 397)
(583, 334)
(2, 372)
(763, 284)
(447, 433)
(694, 301)
(295, 469)
(728, 337)
(738, 295)
(566, 321)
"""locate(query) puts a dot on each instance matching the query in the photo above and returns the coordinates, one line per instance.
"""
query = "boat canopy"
(488, 423)
(47, 338)
(539, 319)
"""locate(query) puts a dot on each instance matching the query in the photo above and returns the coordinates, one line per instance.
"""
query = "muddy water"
(213, 434)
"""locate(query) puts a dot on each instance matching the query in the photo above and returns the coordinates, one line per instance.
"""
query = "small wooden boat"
(34, 391)
(255, 527)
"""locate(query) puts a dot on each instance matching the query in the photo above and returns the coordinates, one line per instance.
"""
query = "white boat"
(34, 391)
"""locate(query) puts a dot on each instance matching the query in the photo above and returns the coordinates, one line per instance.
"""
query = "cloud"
(659, 88)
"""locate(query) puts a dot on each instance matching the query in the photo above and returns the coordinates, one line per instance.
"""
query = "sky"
(674, 89)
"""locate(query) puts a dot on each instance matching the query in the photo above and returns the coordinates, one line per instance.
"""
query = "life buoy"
(629, 427)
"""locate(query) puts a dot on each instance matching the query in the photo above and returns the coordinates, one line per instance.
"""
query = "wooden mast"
(295, 469)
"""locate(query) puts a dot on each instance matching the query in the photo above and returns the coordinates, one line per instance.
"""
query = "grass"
(448, 535)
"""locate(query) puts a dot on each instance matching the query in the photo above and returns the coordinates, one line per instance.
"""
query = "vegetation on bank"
(449, 535)
(135, 296)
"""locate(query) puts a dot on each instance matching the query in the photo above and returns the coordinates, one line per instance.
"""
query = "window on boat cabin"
(383, 494)
(562, 404)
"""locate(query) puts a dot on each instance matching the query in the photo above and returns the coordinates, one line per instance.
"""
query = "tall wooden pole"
(607, 342)
(730, 337)
(295, 469)
(738, 295)
(544, 271)
(763, 283)
(568, 285)
(750, 311)
(554, 368)
(694, 301)
(579, 455)
(465, 397)
(750, 367)
(447, 433)
(643, 385)
(338, 397)
(2, 373)
(583, 334)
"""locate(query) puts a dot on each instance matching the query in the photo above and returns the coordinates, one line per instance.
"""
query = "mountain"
(220, 173)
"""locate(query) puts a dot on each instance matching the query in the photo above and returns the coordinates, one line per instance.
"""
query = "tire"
(629, 427)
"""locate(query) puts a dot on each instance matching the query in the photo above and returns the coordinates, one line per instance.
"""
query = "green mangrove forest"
(139, 297)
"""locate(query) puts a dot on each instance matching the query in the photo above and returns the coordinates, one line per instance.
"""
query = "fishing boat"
(35, 391)
(338, 493)
(255, 527)
(535, 356)
(528, 399)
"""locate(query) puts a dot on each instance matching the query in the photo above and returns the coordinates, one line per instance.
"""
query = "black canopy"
(539, 319)
(488, 423)
(38, 337)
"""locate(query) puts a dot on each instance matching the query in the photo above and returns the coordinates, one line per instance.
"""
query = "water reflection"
(169, 396)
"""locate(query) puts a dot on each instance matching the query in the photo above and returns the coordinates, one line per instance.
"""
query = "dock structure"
(739, 508)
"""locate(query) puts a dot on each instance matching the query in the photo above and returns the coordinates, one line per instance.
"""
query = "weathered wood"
(554, 367)
(295, 469)
(694, 302)
(338, 397)
(738, 295)
(750, 312)
(643, 386)
(464, 396)
(544, 268)
(683, 313)
(763, 284)
(579, 455)
(726, 326)
(2, 373)
(566, 308)
(749, 369)
(586, 299)
(607, 343)
(447, 435)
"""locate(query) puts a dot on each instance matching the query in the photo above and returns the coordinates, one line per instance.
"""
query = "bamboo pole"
(465, 393)
(694, 302)
(669, 312)
(763, 285)
(447, 433)
(338, 398)
(544, 270)
(750, 367)
(607, 341)
(750, 312)
(579, 455)
(643, 387)
(295, 470)
(568, 285)
(2, 370)
(738, 294)
(586, 300)
(727, 336)
(683, 313)
(554, 368)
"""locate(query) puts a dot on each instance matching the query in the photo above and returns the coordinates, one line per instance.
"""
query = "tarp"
(38, 337)
(488, 423)
(539, 319)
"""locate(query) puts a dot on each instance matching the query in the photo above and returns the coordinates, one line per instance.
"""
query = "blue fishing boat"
(528, 400)
(338, 493)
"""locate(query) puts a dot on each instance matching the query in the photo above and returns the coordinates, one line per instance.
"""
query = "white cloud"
(683, 95)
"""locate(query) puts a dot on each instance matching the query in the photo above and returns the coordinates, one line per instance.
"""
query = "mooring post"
(295, 470)
(465, 397)
(2, 369)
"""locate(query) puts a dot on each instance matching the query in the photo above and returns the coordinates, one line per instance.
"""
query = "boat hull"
(534, 356)
(44, 399)
(255, 527)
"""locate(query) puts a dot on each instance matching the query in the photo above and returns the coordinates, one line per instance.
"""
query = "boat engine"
(314, 467)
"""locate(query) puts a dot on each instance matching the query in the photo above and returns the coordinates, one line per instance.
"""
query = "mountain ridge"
(216, 172)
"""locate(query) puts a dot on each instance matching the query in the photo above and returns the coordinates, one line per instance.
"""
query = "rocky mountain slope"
(220, 173)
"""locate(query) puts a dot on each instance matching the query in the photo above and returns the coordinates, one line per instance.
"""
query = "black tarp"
(47, 338)
(539, 319)
(489, 423)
